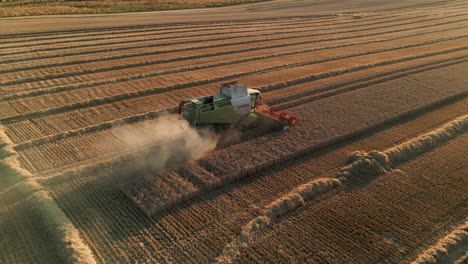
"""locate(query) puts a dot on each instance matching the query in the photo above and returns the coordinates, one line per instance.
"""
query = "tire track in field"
(134, 94)
(254, 28)
(329, 91)
(227, 44)
(149, 75)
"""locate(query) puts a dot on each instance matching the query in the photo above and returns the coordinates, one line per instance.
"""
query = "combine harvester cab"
(235, 103)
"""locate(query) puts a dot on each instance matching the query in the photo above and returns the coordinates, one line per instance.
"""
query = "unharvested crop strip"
(253, 29)
(120, 97)
(229, 44)
(148, 75)
(363, 163)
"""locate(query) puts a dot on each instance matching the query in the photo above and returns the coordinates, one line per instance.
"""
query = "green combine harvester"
(233, 104)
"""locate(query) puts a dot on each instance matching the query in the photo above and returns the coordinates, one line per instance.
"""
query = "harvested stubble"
(40, 127)
(181, 46)
(448, 249)
(156, 185)
(344, 121)
(271, 213)
(195, 228)
(52, 221)
(132, 77)
(386, 218)
(28, 86)
(103, 214)
(159, 191)
(372, 163)
(350, 113)
(75, 99)
(48, 71)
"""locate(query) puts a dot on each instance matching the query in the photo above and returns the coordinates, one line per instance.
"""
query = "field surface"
(374, 172)
(13, 8)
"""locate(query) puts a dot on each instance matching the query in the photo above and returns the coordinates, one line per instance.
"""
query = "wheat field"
(96, 167)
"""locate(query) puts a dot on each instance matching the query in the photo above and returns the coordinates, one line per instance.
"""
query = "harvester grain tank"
(233, 103)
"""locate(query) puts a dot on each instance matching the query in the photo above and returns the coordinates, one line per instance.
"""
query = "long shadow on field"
(355, 184)
(97, 206)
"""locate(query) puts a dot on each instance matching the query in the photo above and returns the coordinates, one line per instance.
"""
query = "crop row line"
(197, 56)
(156, 90)
(168, 25)
(441, 3)
(314, 77)
(220, 38)
(163, 30)
(373, 164)
(104, 162)
(97, 127)
(226, 44)
(286, 26)
(149, 75)
(331, 91)
(347, 137)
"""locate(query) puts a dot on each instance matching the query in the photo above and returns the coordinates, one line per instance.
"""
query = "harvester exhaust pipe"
(181, 105)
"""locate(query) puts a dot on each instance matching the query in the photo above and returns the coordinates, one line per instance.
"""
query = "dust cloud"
(164, 142)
